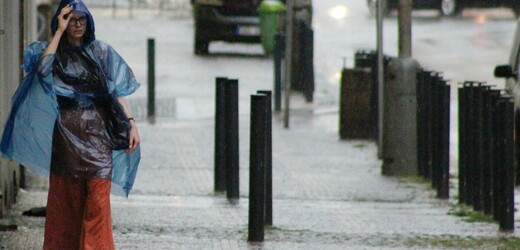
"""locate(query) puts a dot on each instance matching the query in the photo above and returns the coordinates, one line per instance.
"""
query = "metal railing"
(433, 130)
(487, 151)
(486, 171)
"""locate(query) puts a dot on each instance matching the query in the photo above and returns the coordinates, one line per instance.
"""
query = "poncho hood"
(79, 6)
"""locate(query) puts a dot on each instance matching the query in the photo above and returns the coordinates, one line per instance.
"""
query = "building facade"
(18, 19)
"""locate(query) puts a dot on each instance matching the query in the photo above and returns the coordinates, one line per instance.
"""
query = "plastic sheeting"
(78, 75)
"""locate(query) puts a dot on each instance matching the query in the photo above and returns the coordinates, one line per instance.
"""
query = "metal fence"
(486, 169)
(487, 151)
(433, 130)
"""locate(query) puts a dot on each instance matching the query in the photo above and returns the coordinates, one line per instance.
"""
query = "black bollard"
(151, 80)
(307, 61)
(478, 153)
(420, 124)
(278, 56)
(489, 161)
(220, 121)
(507, 215)
(423, 128)
(436, 131)
(257, 162)
(443, 189)
(462, 143)
(469, 135)
(231, 135)
(497, 156)
(428, 119)
(268, 159)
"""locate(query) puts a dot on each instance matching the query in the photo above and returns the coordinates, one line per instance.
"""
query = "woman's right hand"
(64, 18)
(63, 23)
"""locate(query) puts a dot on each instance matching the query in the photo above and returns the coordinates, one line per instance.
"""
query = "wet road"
(329, 194)
(462, 48)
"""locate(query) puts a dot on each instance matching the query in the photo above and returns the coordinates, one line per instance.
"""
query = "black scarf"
(75, 67)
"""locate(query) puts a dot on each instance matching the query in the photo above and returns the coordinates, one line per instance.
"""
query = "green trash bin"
(269, 21)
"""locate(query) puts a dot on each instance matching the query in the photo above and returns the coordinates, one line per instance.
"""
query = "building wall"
(17, 29)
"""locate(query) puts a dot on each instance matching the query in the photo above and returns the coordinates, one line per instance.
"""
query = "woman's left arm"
(134, 134)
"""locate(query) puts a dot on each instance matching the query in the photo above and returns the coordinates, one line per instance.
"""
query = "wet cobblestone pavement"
(328, 193)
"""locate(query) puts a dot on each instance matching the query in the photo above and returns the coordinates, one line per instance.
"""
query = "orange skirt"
(78, 214)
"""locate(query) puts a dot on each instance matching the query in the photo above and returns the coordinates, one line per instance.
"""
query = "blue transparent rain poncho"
(56, 123)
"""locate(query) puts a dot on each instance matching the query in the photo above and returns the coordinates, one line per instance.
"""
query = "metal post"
(462, 144)
(477, 148)
(469, 134)
(268, 159)
(278, 56)
(220, 121)
(405, 28)
(151, 80)
(436, 131)
(443, 190)
(289, 35)
(497, 156)
(422, 131)
(426, 123)
(114, 8)
(507, 218)
(257, 163)
(231, 135)
(380, 76)
(488, 153)
(428, 110)
(307, 61)
(131, 8)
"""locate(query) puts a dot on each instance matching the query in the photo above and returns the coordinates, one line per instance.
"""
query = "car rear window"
(239, 7)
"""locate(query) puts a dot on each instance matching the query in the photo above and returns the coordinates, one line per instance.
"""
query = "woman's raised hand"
(63, 22)
(64, 18)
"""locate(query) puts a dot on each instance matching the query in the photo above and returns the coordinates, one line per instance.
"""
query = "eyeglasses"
(82, 21)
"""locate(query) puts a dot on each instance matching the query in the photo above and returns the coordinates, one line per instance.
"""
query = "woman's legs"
(65, 208)
(78, 214)
(97, 221)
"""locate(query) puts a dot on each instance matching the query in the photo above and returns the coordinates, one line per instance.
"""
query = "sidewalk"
(328, 194)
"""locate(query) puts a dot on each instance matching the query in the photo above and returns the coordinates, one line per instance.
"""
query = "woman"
(57, 125)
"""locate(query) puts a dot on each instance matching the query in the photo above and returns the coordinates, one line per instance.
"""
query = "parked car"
(225, 20)
(510, 71)
(447, 7)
